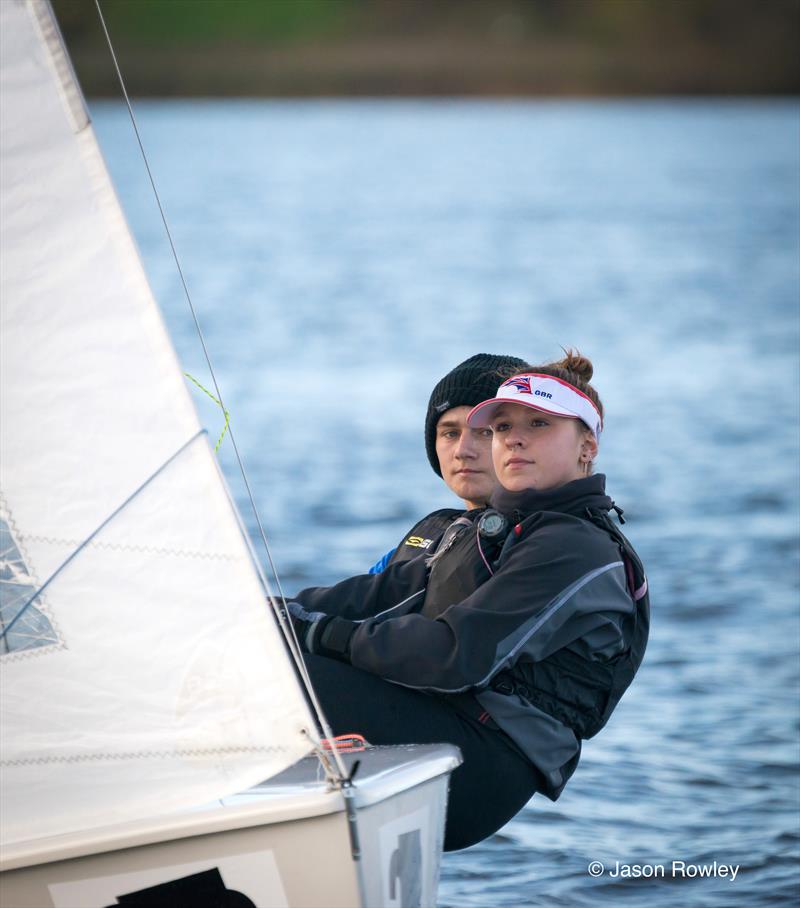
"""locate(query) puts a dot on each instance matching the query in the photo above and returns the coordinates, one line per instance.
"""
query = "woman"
(517, 638)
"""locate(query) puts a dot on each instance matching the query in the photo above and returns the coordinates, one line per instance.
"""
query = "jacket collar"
(572, 498)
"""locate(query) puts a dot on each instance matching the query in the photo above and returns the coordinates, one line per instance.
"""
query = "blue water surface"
(343, 255)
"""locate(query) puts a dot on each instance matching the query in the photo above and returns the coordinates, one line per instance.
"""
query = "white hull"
(286, 842)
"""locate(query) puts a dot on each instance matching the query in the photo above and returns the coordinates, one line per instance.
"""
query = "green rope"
(227, 416)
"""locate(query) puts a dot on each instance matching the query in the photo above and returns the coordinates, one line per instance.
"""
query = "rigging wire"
(90, 537)
(281, 612)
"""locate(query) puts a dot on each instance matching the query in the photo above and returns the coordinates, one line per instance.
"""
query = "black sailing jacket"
(547, 643)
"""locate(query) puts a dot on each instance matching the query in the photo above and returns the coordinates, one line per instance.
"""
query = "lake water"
(343, 256)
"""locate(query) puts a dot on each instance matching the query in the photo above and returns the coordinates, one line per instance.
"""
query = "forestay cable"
(281, 614)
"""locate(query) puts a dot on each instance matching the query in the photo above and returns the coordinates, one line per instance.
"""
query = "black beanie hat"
(470, 383)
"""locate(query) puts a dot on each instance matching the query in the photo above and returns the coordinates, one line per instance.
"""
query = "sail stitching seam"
(139, 754)
(129, 547)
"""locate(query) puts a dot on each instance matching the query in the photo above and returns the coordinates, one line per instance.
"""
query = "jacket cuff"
(332, 637)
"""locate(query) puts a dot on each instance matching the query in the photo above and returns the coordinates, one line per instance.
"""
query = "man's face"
(465, 457)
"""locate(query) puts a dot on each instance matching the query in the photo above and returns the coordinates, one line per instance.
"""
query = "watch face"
(492, 524)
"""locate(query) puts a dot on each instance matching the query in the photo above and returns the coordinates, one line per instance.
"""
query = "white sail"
(148, 675)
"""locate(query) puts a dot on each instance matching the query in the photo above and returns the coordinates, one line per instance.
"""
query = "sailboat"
(158, 744)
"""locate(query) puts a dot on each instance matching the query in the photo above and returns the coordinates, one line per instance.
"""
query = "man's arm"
(395, 591)
(381, 564)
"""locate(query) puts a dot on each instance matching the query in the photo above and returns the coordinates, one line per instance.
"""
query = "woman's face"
(534, 450)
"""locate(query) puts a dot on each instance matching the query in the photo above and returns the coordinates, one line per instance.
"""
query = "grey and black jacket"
(545, 631)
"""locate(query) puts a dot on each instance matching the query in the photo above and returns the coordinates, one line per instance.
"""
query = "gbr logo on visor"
(523, 384)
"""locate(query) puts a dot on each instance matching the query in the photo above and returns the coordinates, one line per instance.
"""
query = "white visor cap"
(540, 392)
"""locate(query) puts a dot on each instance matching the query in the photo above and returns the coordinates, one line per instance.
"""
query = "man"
(460, 455)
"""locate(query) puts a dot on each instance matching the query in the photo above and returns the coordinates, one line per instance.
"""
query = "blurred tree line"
(438, 47)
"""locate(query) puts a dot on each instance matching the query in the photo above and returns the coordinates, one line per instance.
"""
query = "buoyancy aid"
(460, 564)
(422, 538)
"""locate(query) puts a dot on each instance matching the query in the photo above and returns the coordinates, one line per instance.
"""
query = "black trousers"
(493, 783)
